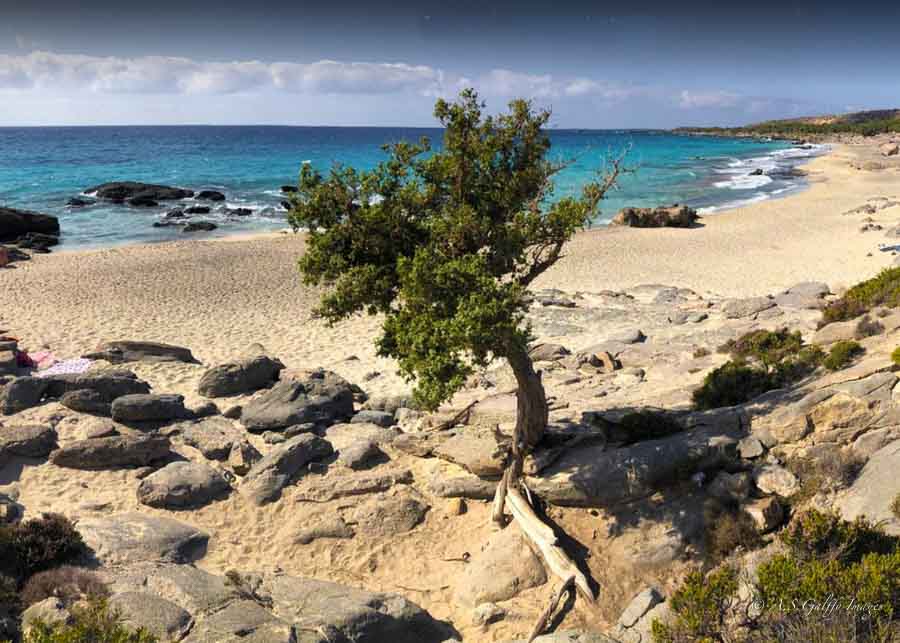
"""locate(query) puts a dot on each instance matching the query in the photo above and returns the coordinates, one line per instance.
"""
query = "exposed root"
(567, 586)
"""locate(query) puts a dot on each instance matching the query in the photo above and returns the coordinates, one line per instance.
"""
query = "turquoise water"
(41, 168)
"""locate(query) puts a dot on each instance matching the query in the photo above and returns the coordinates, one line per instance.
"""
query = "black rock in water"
(15, 223)
(288, 188)
(78, 202)
(143, 202)
(197, 209)
(126, 190)
(210, 195)
(200, 226)
(240, 212)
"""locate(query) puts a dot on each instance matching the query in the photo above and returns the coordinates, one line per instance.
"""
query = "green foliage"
(831, 470)
(881, 290)
(94, 623)
(727, 529)
(648, 425)
(762, 361)
(443, 243)
(38, 544)
(699, 606)
(895, 356)
(841, 354)
(862, 123)
(868, 327)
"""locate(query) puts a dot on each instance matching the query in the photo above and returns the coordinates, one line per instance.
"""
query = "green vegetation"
(862, 123)
(699, 606)
(829, 471)
(726, 529)
(38, 544)
(850, 564)
(761, 361)
(841, 354)
(445, 245)
(881, 290)
(648, 425)
(895, 356)
(895, 506)
(94, 623)
(868, 327)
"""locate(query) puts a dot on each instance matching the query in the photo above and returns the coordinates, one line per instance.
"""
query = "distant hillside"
(867, 123)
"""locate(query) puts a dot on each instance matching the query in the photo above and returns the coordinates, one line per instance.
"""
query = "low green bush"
(727, 528)
(91, 623)
(881, 290)
(732, 383)
(868, 327)
(841, 354)
(768, 347)
(895, 356)
(699, 606)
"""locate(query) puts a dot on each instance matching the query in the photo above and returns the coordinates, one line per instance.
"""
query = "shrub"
(895, 506)
(867, 327)
(647, 425)
(727, 529)
(699, 606)
(835, 470)
(67, 583)
(701, 352)
(732, 383)
(818, 535)
(38, 544)
(881, 290)
(765, 346)
(841, 354)
(93, 623)
(895, 356)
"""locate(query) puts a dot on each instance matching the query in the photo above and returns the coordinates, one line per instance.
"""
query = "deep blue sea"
(41, 168)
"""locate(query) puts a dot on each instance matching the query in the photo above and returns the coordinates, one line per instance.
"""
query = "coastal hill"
(866, 123)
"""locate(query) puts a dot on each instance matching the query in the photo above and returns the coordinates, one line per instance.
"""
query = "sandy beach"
(219, 297)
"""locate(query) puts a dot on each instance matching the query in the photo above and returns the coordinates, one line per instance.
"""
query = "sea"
(42, 168)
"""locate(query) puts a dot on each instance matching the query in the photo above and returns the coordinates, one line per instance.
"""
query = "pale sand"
(218, 297)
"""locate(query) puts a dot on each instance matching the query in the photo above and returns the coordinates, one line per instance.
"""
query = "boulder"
(379, 418)
(740, 308)
(243, 621)
(22, 393)
(572, 636)
(78, 202)
(361, 455)
(505, 566)
(874, 490)
(766, 513)
(479, 450)
(640, 605)
(199, 226)
(16, 223)
(28, 441)
(51, 611)
(86, 400)
(143, 201)
(239, 212)
(265, 480)
(465, 486)
(181, 485)
(487, 613)
(136, 351)
(775, 479)
(127, 190)
(312, 396)
(163, 619)
(730, 487)
(243, 376)
(835, 332)
(675, 216)
(242, 457)
(547, 352)
(148, 407)
(210, 195)
(594, 475)
(135, 537)
(330, 487)
(322, 525)
(112, 452)
(889, 149)
(384, 515)
(214, 437)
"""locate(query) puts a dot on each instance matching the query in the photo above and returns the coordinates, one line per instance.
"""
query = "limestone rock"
(730, 487)
(835, 332)
(750, 447)
(265, 480)
(388, 515)
(135, 537)
(329, 487)
(148, 408)
(214, 437)
(323, 525)
(112, 452)
(873, 491)
(242, 457)
(487, 613)
(548, 352)
(478, 450)
(767, 513)
(461, 486)
(740, 308)
(379, 418)
(243, 376)
(505, 566)
(360, 455)
(639, 605)
(181, 485)
(50, 611)
(674, 216)
(163, 619)
(775, 479)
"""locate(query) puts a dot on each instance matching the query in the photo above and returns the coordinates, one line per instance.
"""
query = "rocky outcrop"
(214, 437)
(740, 308)
(239, 377)
(25, 392)
(120, 191)
(675, 216)
(136, 538)
(874, 491)
(181, 485)
(210, 195)
(301, 397)
(199, 226)
(889, 149)
(122, 351)
(265, 480)
(29, 441)
(18, 223)
(148, 407)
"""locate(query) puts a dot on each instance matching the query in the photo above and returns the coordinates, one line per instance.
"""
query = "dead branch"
(567, 586)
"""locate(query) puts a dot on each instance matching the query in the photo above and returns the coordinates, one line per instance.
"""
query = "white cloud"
(707, 99)
(504, 82)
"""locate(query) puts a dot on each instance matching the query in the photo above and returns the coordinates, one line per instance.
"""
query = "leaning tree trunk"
(531, 421)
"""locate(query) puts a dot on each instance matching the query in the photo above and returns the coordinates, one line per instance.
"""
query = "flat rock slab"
(29, 441)
(265, 480)
(384, 515)
(739, 308)
(342, 436)
(134, 537)
(505, 566)
(243, 376)
(112, 452)
(457, 486)
(163, 619)
(595, 475)
(350, 614)
(370, 416)
(873, 491)
(181, 485)
(480, 451)
(135, 351)
(342, 485)
(214, 437)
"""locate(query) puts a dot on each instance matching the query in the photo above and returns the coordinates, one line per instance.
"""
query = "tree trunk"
(531, 408)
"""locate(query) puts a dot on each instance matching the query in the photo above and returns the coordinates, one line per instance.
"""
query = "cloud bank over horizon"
(65, 79)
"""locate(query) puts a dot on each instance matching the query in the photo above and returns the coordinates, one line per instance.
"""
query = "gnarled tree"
(444, 244)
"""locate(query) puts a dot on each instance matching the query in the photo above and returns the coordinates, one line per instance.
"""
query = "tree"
(444, 244)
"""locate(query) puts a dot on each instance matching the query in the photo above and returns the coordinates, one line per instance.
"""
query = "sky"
(597, 65)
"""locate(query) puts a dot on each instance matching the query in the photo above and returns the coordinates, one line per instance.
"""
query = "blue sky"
(596, 64)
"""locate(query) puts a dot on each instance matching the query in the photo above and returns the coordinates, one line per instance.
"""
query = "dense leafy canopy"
(443, 242)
